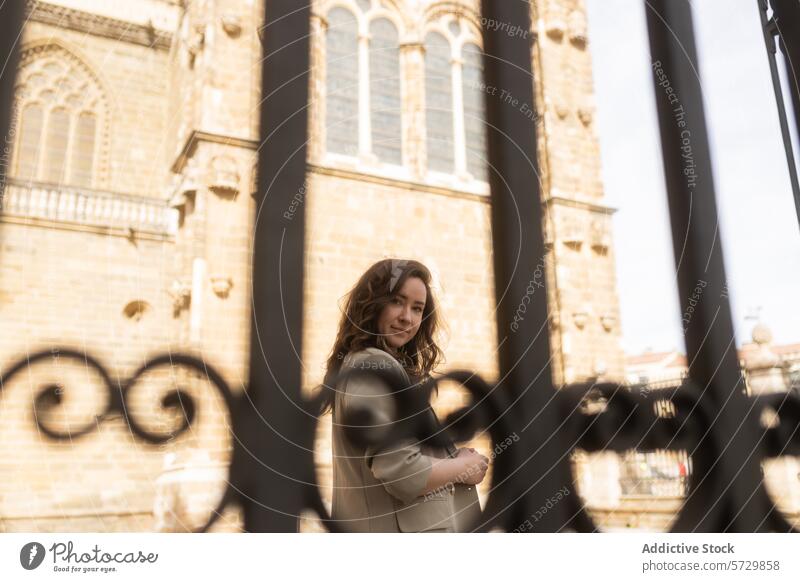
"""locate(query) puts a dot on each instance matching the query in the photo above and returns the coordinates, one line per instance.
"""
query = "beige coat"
(381, 490)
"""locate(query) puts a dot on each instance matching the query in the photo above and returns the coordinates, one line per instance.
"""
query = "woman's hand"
(467, 467)
(473, 466)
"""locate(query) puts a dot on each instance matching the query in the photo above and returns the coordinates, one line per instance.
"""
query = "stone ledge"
(97, 25)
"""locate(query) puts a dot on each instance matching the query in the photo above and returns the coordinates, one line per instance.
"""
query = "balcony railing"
(84, 206)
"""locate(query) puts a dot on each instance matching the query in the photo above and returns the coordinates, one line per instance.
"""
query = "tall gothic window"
(455, 118)
(439, 103)
(385, 102)
(83, 149)
(56, 144)
(30, 138)
(474, 111)
(363, 105)
(58, 105)
(342, 82)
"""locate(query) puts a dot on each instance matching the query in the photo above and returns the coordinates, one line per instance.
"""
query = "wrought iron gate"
(272, 472)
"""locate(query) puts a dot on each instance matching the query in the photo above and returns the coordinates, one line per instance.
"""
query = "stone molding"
(198, 136)
(97, 25)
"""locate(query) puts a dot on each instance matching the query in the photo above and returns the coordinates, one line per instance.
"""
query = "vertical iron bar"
(517, 236)
(274, 497)
(786, 14)
(770, 29)
(727, 493)
(11, 16)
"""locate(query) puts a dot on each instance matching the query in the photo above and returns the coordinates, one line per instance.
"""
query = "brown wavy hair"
(358, 326)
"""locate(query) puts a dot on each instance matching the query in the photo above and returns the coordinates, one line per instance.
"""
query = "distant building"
(766, 367)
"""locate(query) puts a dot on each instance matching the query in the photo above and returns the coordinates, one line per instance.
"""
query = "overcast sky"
(760, 234)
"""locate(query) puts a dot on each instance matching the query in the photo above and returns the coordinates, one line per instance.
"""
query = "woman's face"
(399, 321)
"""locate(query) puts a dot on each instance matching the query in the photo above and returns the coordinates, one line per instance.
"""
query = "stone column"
(412, 66)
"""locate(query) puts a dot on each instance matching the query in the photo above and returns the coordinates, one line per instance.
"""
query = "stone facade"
(168, 269)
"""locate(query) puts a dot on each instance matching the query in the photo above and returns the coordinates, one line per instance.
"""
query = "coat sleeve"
(401, 466)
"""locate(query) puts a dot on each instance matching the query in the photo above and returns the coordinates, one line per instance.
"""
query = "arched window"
(363, 105)
(30, 137)
(83, 150)
(439, 103)
(385, 100)
(56, 146)
(341, 113)
(474, 111)
(60, 120)
(455, 116)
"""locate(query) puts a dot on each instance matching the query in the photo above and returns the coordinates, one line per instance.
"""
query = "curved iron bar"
(628, 421)
(51, 396)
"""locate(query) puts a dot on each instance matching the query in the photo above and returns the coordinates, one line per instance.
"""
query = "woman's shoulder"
(368, 354)
(372, 359)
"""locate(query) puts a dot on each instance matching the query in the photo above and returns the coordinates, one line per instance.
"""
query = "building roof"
(672, 358)
(662, 361)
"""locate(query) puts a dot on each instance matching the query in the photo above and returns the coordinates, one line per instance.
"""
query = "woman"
(389, 323)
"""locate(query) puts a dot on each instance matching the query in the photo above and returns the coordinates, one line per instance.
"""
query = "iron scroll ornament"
(50, 396)
(628, 420)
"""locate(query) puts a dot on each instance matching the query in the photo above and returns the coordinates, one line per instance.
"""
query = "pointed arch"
(63, 111)
(448, 8)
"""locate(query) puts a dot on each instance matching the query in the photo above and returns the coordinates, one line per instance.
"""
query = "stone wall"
(183, 122)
